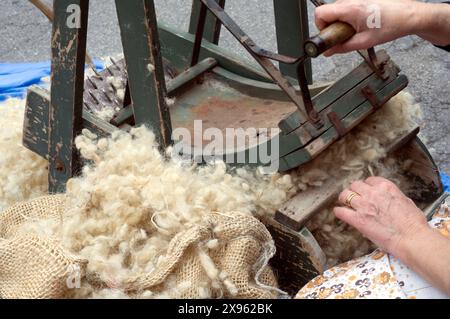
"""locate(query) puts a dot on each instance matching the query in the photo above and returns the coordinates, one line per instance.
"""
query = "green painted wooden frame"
(299, 142)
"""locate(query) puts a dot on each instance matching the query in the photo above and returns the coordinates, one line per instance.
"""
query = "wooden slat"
(333, 93)
(296, 211)
(36, 126)
(264, 89)
(190, 74)
(343, 106)
(314, 148)
(68, 59)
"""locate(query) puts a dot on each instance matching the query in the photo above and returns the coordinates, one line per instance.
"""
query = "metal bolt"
(60, 166)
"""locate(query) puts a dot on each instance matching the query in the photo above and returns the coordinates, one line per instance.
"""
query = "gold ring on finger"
(348, 201)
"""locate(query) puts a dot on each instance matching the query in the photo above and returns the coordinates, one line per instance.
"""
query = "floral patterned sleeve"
(377, 275)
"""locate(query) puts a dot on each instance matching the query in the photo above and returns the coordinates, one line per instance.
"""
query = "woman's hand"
(392, 221)
(397, 18)
(382, 213)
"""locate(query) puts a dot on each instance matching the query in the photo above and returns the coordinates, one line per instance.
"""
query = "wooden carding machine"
(161, 63)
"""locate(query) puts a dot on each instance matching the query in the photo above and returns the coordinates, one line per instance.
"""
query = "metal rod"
(46, 10)
(218, 25)
(306, 95)
(106, 95)
(96, 101)
(142, 52)
(114, 63)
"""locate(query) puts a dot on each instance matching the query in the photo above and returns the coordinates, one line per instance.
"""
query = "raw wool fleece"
(132, 195)
(130, 203)
(23, 174)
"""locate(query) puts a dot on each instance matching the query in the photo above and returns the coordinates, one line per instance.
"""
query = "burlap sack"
(33, 266)
(244, 250)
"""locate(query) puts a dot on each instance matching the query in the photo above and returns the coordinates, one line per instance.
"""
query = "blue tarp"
(15, 78)
(446, 181)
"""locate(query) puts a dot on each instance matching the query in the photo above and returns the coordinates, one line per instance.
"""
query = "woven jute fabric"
(37, 266)
(243, 255)
(40, 208)
(33, 266)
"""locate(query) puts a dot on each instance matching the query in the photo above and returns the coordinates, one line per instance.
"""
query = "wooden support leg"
(212, 25)
(141, 47)
(65, 118)
(291, 22)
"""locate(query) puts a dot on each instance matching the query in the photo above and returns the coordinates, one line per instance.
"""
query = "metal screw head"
(60, 166)
(311, 50)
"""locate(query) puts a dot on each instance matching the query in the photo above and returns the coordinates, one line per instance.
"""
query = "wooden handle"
(334, 34)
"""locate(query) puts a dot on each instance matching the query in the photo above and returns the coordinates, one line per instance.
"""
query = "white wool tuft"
(116, 82)
(170, 101)
(107, 112)
(212, 244)
(229, 285)
(130, 203)
(150, 68)
(23, 174)
(208, 264)
(121, 94)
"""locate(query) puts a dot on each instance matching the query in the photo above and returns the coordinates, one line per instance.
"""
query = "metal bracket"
(378, 67)
(313, 115)
(371, 96)
(337, 124)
